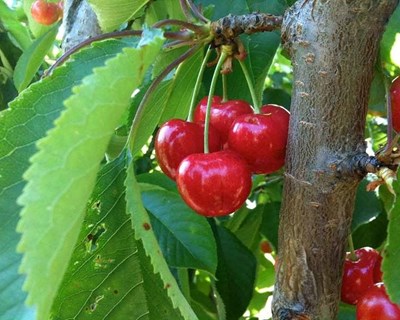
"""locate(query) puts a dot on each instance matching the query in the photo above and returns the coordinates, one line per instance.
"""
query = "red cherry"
(376, 305)
(395, 97)
(377, 270)
(177, 139)
(261, 138)
(45, 12)
(222, 113)
(214, 184)
(358, 276)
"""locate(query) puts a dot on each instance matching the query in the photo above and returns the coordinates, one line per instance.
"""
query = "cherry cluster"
(362, 285)
(241, 142)
(47, 13)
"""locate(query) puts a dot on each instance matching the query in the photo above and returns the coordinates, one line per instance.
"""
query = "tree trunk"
(80, 23)
(334, 47)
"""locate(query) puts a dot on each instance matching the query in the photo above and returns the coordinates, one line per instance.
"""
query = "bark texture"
(80, 23)
(334, 46)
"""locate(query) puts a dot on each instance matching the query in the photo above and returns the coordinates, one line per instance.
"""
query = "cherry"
(358, 276)
(214, 184)
(376, 305)
(395, 97)
(222, 113)
(177, 139)
(45, 12)
(261, 138)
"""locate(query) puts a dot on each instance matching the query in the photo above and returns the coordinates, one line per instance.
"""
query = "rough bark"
(333, 46)
(80, 23)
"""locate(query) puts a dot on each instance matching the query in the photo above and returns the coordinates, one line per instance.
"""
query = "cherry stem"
(185, 9)
(256, 102)
(198, 84)
(177, 44)
(213, 84)
(224, 88)
(142, 106)
(196, 12)
(175, 22)
(352, 255)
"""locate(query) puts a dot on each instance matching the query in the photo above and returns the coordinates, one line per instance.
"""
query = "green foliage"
(9, 21)
(63, 171)
(28, 120)
(112, 14)
(390, 264)
(105, 235)
(32, 58)
(185, 238)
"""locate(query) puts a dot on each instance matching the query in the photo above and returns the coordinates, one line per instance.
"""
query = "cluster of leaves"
(101, 232)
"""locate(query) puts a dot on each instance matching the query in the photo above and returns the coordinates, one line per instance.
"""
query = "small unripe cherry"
(45, 13)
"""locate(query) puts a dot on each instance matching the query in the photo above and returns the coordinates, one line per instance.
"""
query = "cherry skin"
(358, 276)
(376, 305)
(395, 97)
(265, 246)
(177, 139)
(214, 184)
(222, 113)
(261, 138)
(45, 13)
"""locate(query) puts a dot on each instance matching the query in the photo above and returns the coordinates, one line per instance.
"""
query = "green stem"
(352, 256)
(224, 88)
(183, 277)
(218, 302)
(142, 106)
(197, 85)
(256, 102)
(210, 96)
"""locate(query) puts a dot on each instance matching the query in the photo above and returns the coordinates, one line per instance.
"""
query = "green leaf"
(391, 31)
(166, 9)
(143, 230)
(371, 234)
(185, 238)
(158, 179)
(95, 284)
(10, 22)
(346, 312)
(235, 273)
(32, 58)
(63, 172)
(171, 99)
(270, 223)
(367, 206)
(112, 14)
(28, 119)
(391, 254)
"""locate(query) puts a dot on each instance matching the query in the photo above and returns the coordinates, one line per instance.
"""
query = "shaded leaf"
(235, 273)
(185, 238)
(27, 120)
(346, 312)
(367, 206)
(389, 36)
(391, 254)
(270, 223)
(143, 230)
(63, 172)
(371, 234)
(30, 61)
